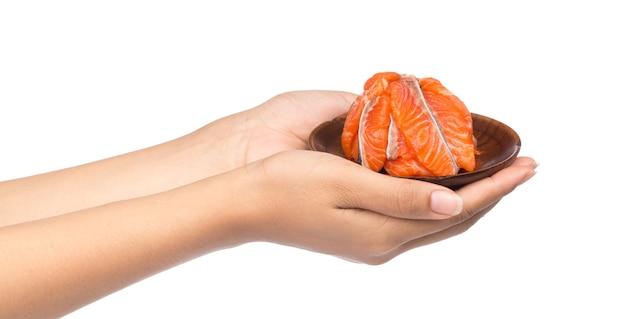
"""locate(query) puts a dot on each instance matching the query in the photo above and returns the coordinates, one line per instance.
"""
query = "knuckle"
(406, 198)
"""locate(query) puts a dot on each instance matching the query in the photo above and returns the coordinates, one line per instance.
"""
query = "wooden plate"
(497, 143)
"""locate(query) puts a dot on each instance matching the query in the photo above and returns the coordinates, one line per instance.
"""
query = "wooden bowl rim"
(453, 181)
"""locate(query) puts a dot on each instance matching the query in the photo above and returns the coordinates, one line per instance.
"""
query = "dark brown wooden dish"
(497, 144)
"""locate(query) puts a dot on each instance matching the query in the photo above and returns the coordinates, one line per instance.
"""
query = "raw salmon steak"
(407, 126)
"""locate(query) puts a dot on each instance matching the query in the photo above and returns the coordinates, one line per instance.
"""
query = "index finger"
(480, 194)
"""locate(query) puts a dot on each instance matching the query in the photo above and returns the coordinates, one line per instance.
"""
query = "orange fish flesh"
(407, 126)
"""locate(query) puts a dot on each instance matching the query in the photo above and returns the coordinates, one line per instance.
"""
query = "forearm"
(55, 265)
(143, 172)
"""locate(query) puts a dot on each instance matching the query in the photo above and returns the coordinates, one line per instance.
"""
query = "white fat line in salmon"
(413, 82)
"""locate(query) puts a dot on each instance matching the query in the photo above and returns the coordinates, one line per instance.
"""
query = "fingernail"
(534, 166)
(446, 203)
(528, 176)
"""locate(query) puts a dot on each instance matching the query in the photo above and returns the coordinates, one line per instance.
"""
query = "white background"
(81, 81)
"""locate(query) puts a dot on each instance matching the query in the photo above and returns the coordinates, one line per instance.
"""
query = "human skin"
(279, 124)
(117, 221)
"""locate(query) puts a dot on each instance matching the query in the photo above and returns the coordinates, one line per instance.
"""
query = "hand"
(312, 200)
(327, 204)
(282, 123)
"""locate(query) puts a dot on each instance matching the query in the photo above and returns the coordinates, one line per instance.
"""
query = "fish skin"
(419, 130)
(374, 86)
(373, 133)
(390, 127)
(404, 163)
(455, 120)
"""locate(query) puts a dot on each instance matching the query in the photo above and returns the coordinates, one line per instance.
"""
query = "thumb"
(400, 197)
